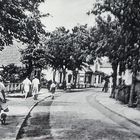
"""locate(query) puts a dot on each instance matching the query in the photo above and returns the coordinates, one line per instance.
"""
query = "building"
(101, 68)
(88, 76)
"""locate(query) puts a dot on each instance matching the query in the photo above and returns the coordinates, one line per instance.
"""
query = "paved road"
(73, 116)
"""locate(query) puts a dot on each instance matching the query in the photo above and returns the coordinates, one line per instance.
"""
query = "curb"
(27, 115)
(132, 121)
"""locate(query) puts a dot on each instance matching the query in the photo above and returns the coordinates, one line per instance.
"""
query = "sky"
(67, 13)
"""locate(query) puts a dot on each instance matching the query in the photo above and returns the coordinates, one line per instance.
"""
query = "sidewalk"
(132, 114)
(18, 109)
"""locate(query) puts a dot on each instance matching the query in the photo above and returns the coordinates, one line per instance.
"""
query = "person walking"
(52, 89)
(2, 92)
(26, 86)
(3, 104)
(105, 88)
(35, 87)
(111, 83)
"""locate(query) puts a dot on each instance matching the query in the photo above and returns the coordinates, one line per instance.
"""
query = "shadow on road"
(37, 125)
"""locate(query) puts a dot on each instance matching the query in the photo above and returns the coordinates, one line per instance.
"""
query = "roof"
(10, 55)
(100, 73)
(86, 69)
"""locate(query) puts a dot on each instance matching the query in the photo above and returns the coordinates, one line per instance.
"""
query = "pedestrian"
(52, 89)
(35, 87)
(105, 87)
(2, 91)
(26, 86)
(3, 105)
(111, 83)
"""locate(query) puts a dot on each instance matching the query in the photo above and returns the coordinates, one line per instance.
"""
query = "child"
(52, 89)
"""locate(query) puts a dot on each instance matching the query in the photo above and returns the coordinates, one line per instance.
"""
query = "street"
(72, 116)
(70, 70)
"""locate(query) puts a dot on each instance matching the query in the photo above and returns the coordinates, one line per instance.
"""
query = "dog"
(3, 118)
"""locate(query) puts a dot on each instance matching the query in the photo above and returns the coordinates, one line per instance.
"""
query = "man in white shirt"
(35, 87)
(26, 86)
(3, 104)
(2, 92)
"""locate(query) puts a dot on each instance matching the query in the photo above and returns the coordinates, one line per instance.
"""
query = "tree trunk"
(114, 78)
(132, 91)
(60, 81)
(64, 75)
(130, 104)
(121, 70)
(64, 78)
(29, 68)
(30, 71)
(75, 79)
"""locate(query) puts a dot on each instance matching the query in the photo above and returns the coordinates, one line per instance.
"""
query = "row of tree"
(116, 36)
(121, 36)
(21, 20)
(68, 49)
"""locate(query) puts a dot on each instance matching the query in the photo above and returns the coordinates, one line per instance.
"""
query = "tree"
(59, 49)
(68, 48)
(128, 14)
(33, 57)
(34, 54)
(21, 20)
(13, 73)
(16, 21)
(81, 44)
(110, 44)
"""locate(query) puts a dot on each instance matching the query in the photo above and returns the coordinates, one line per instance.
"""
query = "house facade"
(101, 68)
(89, 76)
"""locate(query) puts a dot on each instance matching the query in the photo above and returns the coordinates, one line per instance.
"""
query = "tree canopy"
(19, 19)
(127, 13)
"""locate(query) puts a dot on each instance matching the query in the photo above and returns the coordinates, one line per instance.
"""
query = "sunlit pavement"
(75, 116)
(132, 115)
(116, 106)
(18, 109)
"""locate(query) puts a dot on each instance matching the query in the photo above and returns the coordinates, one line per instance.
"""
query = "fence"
(13, 87)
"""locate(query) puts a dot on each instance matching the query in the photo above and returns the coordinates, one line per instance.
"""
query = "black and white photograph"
(69, 70)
